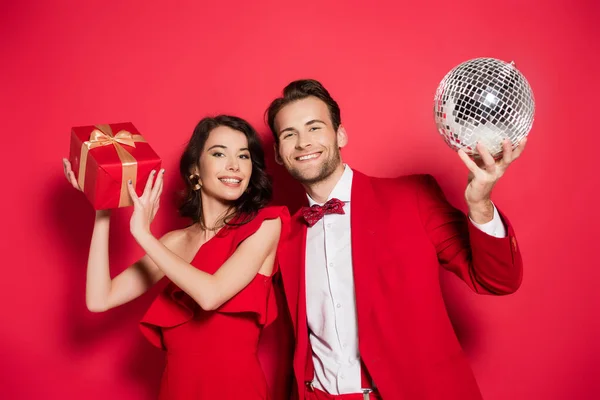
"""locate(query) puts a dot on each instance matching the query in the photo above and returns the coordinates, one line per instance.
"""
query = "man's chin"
(308, 178)
(311, 174)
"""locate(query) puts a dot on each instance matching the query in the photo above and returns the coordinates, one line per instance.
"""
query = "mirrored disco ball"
(483, 100)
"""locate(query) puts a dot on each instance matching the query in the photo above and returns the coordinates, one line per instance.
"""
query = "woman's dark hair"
(298, 90)
(259, 190)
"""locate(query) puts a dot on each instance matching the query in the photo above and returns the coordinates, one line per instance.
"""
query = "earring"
(198, 185)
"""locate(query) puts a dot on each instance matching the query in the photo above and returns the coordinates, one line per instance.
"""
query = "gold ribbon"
(103, 136)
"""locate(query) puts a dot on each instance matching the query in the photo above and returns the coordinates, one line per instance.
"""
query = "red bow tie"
(314, 213)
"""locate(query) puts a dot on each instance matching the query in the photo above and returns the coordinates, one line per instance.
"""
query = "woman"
(220, 295)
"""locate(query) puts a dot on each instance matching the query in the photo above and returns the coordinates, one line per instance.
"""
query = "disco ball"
(483, 100)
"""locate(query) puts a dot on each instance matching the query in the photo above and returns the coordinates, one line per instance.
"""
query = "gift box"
(105, 157)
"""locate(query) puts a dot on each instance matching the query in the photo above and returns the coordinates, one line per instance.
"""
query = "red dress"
(213, 354)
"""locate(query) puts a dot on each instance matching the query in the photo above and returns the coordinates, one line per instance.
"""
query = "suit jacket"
(402, 230)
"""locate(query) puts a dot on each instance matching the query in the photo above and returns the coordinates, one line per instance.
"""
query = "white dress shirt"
(330, 299)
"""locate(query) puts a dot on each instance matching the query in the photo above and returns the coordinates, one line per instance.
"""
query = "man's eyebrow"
(290, 129)
(314, 121)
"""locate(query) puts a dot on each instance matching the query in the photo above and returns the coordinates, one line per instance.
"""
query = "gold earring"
(198, 185)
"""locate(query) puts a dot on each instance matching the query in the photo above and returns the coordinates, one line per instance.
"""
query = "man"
(360, 267)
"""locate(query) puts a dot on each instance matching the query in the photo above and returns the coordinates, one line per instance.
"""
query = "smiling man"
(361, 267)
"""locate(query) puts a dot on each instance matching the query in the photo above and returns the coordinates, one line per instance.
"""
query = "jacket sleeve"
(487, 264)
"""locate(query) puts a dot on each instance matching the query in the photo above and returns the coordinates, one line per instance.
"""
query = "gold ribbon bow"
(103, 136)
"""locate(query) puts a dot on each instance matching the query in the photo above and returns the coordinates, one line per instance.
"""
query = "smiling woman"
(226, 159)
(220, 268)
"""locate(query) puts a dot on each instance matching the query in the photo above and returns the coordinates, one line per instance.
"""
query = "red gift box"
(105, 157)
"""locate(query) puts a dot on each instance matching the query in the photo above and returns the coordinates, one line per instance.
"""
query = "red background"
(165, 67)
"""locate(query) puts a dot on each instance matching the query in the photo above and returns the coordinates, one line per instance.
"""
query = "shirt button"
(329, 225)
(338, 305)
(342, 376)
(331, 264)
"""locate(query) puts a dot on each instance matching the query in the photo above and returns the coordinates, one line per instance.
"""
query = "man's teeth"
(227, 180)
(308, 157)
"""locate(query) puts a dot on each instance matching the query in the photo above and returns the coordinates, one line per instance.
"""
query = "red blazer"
(402, 230)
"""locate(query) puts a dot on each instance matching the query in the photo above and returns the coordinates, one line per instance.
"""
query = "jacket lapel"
(292, 270)
(367, 236)
(292, 262)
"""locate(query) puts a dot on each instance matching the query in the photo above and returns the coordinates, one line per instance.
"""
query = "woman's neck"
(214, 212)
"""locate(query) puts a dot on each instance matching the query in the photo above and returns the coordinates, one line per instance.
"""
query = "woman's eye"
(245, 156)
(218, 154)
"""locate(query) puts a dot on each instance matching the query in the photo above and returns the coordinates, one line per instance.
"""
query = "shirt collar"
(342, 189)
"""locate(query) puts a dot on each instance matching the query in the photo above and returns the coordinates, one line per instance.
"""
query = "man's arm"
(488, 264)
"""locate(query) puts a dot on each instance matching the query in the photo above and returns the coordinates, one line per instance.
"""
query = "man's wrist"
(481, 212)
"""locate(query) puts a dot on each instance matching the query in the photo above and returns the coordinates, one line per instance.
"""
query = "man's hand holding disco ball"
(484, 109)
(484, 174)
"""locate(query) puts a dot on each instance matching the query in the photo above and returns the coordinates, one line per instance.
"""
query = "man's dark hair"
(298, 90)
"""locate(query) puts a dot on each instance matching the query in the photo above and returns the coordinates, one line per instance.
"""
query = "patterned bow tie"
(314, 213)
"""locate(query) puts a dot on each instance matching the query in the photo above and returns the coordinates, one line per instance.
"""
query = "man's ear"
(278, 159)
(342, 136)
